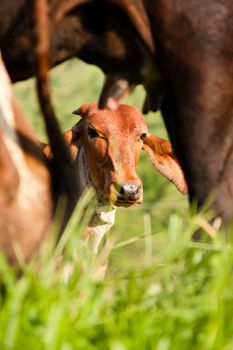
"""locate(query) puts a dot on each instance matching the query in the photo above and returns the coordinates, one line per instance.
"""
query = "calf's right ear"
(163, 159)
(72, 138)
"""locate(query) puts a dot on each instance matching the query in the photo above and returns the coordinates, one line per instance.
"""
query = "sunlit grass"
(179, 298)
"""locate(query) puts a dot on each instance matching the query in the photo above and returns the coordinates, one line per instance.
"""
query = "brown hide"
(25, 189)
(82, 32)
(195, 57)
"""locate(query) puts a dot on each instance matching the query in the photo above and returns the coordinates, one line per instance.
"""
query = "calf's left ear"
(163, 159)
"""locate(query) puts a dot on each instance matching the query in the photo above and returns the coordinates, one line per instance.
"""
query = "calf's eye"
(92, 133)
(143, 136)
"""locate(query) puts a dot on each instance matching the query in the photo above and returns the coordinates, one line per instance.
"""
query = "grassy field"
(161, 291)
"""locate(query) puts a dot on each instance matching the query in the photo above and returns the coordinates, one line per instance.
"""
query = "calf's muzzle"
(128, 192)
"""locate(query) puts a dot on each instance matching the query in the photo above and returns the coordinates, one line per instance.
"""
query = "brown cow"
(131, 41)
(98, 32)
(106, 155)
(26, 199)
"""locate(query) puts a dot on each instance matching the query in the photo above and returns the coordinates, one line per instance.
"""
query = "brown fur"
(26, 201)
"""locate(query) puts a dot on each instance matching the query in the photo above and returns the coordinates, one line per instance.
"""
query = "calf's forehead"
(126, 119)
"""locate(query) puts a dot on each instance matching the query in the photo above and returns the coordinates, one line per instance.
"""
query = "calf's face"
(106, 144)
(111, 143)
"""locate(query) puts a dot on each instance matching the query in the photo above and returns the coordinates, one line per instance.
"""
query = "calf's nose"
(128, 191)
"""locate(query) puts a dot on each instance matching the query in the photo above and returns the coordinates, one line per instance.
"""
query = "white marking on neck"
(104, 217)
(102, 221)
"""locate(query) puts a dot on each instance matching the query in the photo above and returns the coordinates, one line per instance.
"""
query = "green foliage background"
(161, 291)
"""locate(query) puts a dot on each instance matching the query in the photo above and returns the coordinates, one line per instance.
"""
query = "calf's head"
(111, 143)
(106, 145)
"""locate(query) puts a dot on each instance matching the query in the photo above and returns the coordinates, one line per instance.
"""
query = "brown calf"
(105, 146)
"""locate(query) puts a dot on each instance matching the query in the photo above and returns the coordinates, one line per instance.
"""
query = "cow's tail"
(63, 171)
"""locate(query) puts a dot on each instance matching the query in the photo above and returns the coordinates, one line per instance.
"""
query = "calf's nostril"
(122, 191)
(128, 188)
(128, 191)
(119, 188)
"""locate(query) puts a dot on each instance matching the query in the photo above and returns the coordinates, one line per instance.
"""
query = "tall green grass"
(180, 297)
(161, 290)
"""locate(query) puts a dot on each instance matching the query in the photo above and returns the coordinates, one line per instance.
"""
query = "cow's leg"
(194, 50)
(207, 163)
